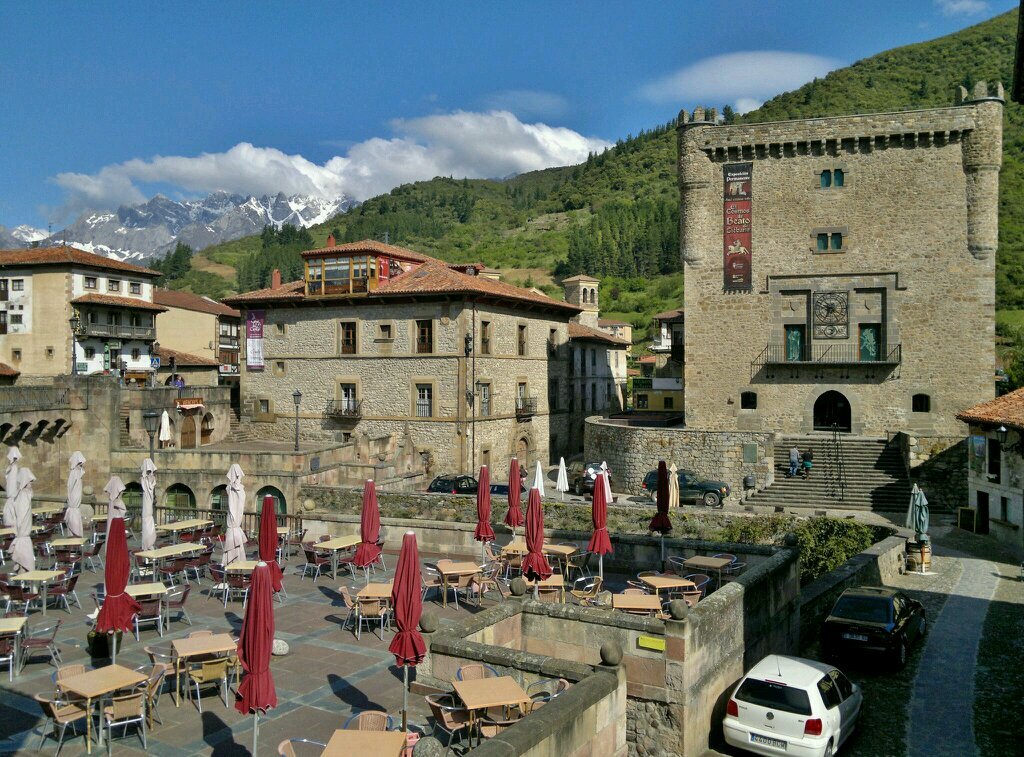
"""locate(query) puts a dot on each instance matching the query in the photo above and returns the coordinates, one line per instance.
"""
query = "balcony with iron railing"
(818, 355)
(117, 331)
(344, 409)
(526, 406)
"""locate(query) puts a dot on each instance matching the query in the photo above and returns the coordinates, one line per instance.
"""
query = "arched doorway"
(219, 504)
(206, 432)
(188, 432)
(280, 506)
(523, 451)
(181, 499)
(832, 410)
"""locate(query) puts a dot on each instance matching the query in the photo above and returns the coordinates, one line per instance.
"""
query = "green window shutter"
(822, 242)
(838, 176)
(826, 179)
(837, 241)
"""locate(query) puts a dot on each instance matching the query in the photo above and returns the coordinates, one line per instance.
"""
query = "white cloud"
(747, 104)
(462, 143)
(528, 103)
(739, 78)
(961, 7)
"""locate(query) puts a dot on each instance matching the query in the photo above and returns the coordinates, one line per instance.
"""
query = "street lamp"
(150, 421)
(297, 399)
(1002, 433)
(75, 322)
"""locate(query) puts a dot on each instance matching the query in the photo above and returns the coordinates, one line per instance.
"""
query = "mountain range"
(153, 228)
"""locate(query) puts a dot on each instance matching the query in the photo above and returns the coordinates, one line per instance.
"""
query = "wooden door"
(188, 432)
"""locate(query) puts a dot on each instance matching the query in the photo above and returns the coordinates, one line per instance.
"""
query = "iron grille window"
(424, 401)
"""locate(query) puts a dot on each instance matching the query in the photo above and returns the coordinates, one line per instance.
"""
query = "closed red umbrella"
(369, 528)
(535, 565)
(484, 532)
(407, 601)
(257, 694)
(514, 516)
(118, 608)
(600, 544)
(269, 540)
(660, 521)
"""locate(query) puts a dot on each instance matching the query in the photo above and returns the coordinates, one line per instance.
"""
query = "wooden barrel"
(926, 556)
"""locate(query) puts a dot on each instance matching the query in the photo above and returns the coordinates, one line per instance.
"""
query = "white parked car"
(788, 705)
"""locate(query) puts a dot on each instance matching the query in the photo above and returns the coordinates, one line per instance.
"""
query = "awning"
(190, 406)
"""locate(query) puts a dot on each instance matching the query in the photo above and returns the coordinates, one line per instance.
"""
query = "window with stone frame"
(90, 282)
(748, 401)
(424, 400)
(921, 403)
(113, 285)
(347, 337)
(484, 390)
(485, 337)
(521, 340)
(135, 287)
(424, 337)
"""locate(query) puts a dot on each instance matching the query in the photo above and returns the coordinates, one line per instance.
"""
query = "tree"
(174, 264)
(728, 115)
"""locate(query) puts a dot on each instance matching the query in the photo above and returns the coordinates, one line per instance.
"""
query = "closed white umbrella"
(115, 505)
(234, 536)
(562, 484)
(673, 487)
(538, 479)
(148, 497)
(11, 485)
(21, 548)
(607, 481)
(73, 510)
(165, 428)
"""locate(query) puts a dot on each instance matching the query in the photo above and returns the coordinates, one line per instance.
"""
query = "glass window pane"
(837, 241)
(826, 179)
(838, 177)
(822, 241)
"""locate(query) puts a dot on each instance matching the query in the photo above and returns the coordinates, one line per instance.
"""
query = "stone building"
(200, 327)
(831, 264)
(383, 340)
(660, 389)
(596, 380)
(45, 293)
(618, 329)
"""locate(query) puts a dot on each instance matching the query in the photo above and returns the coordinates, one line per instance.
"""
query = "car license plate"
(756, 738)
(855, 636)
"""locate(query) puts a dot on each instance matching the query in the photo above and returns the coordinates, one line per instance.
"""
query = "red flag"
(269, 540)
(514, 516)
(118, 608)
(369, 528)
(255, 645)
(599, 542)
(660, 521)
(407, 600)
(535, 565)
(483, 532)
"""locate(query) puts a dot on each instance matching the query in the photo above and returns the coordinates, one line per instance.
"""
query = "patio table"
(38, 577)
(68, 541)
(46, 509)
(649, 603)
(454, 570)
(376, 591)
(666, 583)
(554, 581)
(153, 589)
(14, 627)
(334, 546)
(157, 556)
(242, 565)
(10, 531)
(184, 525)
(196, 646)
(345, 743)
(484, 693)
(715, 564)
(96, 684)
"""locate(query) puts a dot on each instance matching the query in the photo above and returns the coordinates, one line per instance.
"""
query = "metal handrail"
(344, 408)
(526, 406)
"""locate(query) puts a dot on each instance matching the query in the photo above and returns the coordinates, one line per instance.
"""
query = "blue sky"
(106, 103)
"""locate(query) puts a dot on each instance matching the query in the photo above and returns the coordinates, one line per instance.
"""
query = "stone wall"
(908, 176)
(718, 455)
(878, 565)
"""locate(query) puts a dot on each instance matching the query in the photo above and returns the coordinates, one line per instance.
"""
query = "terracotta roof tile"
(580, 277)
(670, 315)
(6, 370)
(648, 360)
(293, 291)
(69, 256)
(182, 359)
(1007, 410)
(611, 322)
(579, 331)
(174, 298)
(120, 302)
(369, 245)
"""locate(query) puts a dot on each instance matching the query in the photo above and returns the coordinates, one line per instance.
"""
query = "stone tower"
(581, 291)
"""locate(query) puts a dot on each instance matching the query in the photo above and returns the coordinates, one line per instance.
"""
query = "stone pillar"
(983, 155)
(696, 187)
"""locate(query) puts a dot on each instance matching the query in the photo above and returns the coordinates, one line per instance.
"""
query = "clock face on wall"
(831, 315)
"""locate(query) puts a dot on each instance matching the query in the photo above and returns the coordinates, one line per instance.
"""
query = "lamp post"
(75, 322)
(150, 421)
(1002, 433)
(297, 399)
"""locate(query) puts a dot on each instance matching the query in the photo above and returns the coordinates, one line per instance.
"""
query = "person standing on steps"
(794, 461)
(808, 462)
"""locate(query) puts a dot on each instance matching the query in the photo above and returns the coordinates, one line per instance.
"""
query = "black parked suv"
(583, 475)
(873, 619)
(452, 484)
(691, 488)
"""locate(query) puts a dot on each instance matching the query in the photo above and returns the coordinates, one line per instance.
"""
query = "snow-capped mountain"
(154, 227)
(20, 236)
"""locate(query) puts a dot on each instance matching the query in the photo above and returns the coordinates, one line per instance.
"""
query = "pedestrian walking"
(808, 462)
(794, 460)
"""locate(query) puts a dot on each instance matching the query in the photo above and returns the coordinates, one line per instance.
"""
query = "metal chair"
(691, 597)
(93, 557)
(60, 712)
(177, 567)
(209, 672)
(726, 554)
(372, 611)
(238, 584)
(287, 748)
(588, 595)
(579, 562)
(125, 710)
(41, 638)
(490, 726)
(450, 718)
(700, 581)
(475, 671)
(431, 580)
(543, 691)
(220, 583)
(314, 562)
(732, 570)
(174, 601)
(369, 720)
(17, 594)
(154, 687)
(150, 611)
(7, 648)
(489, 579)
(68, 671)
(350, 605)
(63, 589)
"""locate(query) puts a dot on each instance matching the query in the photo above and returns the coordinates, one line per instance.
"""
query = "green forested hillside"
(616, 215)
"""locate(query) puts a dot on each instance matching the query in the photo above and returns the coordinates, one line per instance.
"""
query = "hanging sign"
(254, 339)
(737, 227)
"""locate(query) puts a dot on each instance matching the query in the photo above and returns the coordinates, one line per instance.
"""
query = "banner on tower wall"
(737, 227)
(254, 339)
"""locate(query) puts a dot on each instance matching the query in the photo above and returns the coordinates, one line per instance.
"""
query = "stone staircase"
(862, 474)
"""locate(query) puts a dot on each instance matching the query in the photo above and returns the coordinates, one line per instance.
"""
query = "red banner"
(737, 226)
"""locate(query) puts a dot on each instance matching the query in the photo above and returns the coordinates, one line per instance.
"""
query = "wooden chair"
(368, 720)
(287, 748)
(449, 717)
(125, 710)
(60, 712)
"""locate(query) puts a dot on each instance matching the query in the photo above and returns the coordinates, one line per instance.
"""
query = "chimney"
(330, 240)
(275, 279)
